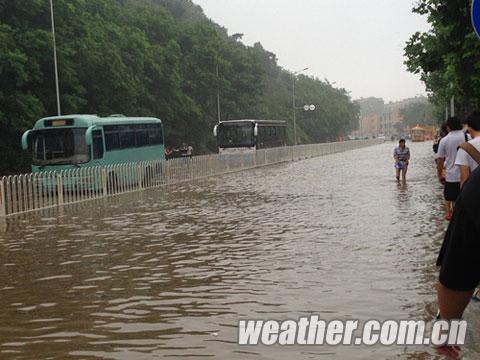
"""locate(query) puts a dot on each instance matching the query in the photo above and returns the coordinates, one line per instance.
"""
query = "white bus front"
(235, 137)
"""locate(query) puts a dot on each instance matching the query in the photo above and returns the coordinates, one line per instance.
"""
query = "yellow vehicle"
(430, 132)
(417, 134)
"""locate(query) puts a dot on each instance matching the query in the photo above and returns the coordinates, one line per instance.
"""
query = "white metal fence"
(29, 192)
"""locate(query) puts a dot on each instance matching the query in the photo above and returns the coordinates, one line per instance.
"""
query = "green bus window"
(141, 137)
(127, 139)
(155, 134)
(60, 146)
(97, 144)
(39, 152)
(112, 140)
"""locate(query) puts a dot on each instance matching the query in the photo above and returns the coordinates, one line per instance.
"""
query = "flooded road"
(168, 273)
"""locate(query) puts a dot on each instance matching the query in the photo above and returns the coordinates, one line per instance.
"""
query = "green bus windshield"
(59, 146)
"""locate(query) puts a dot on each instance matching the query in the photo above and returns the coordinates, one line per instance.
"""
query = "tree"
(418, 113)
(448, 56)
(151, 58)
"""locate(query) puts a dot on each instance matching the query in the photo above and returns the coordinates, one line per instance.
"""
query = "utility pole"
(452, 102)
(294, 76)
(294, 115)
(218, 99)
(59, 112)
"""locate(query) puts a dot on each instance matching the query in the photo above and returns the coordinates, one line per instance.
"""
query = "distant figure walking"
(169, 152)
(442, 132)
(183, 150)
(401, 154)
(190, 151)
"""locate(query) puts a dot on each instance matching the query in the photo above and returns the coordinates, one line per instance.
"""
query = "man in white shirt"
(464, 160)
(447, 154)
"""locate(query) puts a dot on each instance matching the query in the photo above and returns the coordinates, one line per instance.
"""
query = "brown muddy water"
(168, 273)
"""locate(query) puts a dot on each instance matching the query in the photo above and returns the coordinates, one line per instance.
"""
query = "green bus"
(77, 146)
(74, 141)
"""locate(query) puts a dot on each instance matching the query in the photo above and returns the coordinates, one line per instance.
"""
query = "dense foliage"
(448, 56)
(418, 113)
(147, 58)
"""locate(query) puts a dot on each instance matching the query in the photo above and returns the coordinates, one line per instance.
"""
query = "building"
(370, 121)
(378, 118)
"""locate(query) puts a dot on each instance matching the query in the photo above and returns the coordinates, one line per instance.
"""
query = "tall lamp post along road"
(57, 88)
(294, 77)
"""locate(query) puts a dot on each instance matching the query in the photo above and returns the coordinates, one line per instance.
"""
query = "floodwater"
(168, 273)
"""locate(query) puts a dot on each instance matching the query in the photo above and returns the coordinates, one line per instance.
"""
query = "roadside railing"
(29, 192)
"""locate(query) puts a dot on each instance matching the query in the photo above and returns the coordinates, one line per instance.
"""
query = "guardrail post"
(139, 176)
(3, 210)
(104, 182)
(60, 189)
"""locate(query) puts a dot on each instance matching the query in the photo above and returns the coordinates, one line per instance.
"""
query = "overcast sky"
(358, 44)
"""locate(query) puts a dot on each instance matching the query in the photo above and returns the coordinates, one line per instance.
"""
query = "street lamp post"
(55, 60)
(294, 76)
(218, 98)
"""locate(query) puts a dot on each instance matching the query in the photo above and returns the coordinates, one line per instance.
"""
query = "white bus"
(235, 136)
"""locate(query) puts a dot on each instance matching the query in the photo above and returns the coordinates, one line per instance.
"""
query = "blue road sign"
(476, 16)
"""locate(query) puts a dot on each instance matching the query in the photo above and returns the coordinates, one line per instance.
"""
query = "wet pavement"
(168, 273)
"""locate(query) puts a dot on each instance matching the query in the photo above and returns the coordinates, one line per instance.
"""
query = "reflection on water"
(169, 272)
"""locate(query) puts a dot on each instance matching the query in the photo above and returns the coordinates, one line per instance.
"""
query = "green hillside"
(149, 58)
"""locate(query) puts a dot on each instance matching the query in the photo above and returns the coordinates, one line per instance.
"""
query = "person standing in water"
(401, 154)
(447, 154)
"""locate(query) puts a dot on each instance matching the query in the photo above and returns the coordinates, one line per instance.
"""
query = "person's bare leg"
(448, 207)
(404, 173)
(452, 303)
(397, 173)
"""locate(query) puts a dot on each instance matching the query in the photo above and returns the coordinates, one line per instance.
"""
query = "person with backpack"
(468, 156)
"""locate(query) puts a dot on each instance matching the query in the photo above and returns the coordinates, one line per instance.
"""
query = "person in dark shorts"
(447, 153)
(451, 191)
(459, 256)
